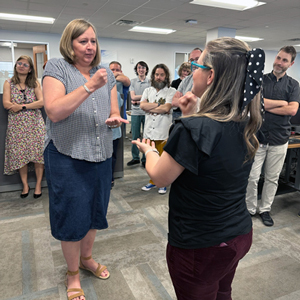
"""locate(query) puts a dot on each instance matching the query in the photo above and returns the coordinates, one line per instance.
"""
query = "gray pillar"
(219, 32)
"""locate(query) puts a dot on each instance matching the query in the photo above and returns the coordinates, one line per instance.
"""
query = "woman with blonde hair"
(82, 108)
(207, 159)
(24, 144)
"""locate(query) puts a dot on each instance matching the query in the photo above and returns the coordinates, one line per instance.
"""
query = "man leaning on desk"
(281, 97)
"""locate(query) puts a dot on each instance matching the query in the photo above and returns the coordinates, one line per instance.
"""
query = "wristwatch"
(24, 107)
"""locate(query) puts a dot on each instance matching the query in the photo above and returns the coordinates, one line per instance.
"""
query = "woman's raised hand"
(99, 79)
(188, 104)
(144, 145)
(115, 122)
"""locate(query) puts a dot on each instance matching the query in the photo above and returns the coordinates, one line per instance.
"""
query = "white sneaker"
(148, 187)
(162, 190)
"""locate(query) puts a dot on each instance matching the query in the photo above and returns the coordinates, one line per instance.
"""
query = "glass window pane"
(6, 64)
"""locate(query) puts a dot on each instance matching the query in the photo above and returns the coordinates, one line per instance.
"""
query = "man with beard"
(156, 101)
(281, 97)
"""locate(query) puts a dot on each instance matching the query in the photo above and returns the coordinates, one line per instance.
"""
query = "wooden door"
(39, 58)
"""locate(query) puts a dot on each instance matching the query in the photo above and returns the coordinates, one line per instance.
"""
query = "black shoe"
(37, 195)
(266, 218)
(25, 195)
(143, 164)
(133, 162)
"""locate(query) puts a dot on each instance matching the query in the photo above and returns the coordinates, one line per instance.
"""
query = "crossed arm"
(281, 107)
(122, 78)
(15, 107)
(154, 108)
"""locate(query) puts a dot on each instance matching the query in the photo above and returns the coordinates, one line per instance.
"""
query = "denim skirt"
(79, 193)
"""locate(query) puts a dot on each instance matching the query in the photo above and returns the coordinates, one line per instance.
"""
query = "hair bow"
(254, 76)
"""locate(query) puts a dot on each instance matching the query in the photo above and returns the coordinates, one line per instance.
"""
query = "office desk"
(291, 153)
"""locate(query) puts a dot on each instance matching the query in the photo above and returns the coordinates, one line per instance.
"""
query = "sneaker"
(162, 190)
(148, 187)
(133, 162)
(266, 218)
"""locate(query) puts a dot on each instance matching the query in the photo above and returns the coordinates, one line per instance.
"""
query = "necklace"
(20, 87)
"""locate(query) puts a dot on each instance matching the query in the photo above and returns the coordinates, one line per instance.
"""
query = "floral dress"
(25, 133)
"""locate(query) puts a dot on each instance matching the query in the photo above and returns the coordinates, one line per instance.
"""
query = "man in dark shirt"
(281, 98)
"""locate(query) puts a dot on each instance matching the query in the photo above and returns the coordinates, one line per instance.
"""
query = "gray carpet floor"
(133, 248)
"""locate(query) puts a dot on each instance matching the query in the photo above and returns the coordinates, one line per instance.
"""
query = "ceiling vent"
(294, 40)
(126, 22)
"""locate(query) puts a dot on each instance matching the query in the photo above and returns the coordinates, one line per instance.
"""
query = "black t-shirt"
(276, 129)
(175, 84)
(207, 201)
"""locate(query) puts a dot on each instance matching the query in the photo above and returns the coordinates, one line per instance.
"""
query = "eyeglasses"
(141, 67)
(199, 66)
(19, 63)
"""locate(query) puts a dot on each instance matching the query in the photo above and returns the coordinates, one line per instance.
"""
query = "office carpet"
(133, 248)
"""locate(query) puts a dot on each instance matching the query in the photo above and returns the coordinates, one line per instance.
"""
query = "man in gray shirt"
(137, 87)
(187, 83)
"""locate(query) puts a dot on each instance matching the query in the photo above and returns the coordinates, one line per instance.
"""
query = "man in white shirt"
(156, 101)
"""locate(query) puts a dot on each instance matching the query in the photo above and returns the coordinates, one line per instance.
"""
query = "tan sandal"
(80, 291)
(98, 271)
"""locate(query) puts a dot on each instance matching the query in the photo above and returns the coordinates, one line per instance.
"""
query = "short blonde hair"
(72, 31)
(184, 65)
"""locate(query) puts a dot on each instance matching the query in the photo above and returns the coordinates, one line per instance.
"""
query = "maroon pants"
(206, 273)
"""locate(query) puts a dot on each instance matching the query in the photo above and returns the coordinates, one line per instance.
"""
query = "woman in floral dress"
(22, 97)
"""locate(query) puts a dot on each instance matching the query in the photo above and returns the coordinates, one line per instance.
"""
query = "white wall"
(151, 53)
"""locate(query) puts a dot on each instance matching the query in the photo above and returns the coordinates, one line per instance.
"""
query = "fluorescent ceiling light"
(229, 4)
(248, 38)
(7, 44)
(26, 18)
(151, 30)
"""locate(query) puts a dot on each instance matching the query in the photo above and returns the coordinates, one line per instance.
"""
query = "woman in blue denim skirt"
(81, 105)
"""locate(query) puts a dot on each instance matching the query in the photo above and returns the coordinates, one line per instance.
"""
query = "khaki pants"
(273, 157)
(159, 145)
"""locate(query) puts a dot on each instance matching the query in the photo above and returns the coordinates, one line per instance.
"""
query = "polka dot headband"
(254, 75)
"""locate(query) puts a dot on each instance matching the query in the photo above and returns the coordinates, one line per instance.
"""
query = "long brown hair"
(30, 80)
(220, 101)
(166, 70)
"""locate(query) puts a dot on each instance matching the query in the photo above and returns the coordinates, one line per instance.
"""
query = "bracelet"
(151, 150)
(87, 89)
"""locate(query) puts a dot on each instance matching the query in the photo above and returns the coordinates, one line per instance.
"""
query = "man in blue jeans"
(137, 87)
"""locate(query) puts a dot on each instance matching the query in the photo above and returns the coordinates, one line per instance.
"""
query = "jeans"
(136, 123)
(273, 157)
(114, 157)
(206, 273)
